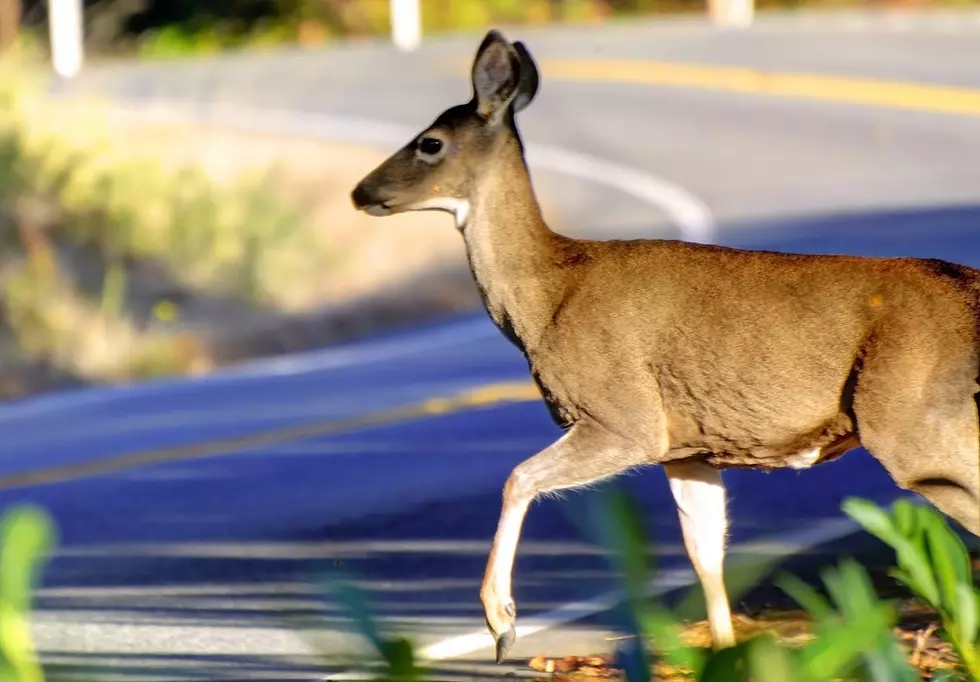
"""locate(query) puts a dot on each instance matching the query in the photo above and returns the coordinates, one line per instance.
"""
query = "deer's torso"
(751, 357)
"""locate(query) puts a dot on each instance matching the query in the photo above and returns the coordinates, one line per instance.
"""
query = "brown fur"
(651, 351)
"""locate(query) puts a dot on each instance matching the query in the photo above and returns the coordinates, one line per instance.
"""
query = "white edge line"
(689, 214)
(789, 544)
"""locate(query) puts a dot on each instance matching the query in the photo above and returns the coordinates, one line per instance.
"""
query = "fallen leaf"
(539, 663)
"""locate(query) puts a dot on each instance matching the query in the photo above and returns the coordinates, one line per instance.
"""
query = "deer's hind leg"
(699, 492)
(917, 415)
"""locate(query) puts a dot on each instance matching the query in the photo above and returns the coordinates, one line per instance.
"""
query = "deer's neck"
(511, 252)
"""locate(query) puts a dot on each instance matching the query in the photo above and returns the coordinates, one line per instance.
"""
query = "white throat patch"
(460, 208)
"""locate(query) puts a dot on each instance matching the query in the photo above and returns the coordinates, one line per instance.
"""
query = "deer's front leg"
(585, 454)
(700, 496)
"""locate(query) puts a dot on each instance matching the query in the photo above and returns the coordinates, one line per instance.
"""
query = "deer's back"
(753, 352)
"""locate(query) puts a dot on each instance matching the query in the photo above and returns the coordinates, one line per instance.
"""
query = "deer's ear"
(496, 76)
(527, 86)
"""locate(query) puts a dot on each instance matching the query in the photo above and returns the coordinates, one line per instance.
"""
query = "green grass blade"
(911, 553)
(873, 519)
(769, 662)
(727, 665)
(948, 558)
(806, 596)
(968, 611)
(355, 605)
(26, 537)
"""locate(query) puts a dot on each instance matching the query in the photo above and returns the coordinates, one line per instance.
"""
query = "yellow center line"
(489, 394)
(955, 100)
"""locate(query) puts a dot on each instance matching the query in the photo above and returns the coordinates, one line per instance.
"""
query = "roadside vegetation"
(314, 22)
(844, 629)
(169, 28)
(97, 243)
(133, 251)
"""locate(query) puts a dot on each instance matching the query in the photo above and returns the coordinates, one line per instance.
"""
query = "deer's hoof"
(501, 615)
(504, 642)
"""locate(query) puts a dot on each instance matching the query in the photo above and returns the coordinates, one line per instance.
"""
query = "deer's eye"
(430, 146)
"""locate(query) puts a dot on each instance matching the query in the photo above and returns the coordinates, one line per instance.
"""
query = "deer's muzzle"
(366, 200)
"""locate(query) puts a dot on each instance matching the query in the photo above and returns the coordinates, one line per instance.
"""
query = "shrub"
(83, 222)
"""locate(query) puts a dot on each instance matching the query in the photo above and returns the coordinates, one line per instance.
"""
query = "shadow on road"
(197, 668)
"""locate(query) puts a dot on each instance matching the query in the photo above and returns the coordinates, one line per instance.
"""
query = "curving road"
(198, 514)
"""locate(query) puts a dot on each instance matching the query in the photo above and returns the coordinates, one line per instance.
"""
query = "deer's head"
(442, 167)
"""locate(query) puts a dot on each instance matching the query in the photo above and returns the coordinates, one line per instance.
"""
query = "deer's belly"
(767, 458)
(750, 443)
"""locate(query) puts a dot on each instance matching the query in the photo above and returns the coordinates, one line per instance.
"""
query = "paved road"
(214, 559)
(747, 156)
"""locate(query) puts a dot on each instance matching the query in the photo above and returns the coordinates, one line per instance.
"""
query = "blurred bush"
(313, 21)
(82, 221)
(168, 28)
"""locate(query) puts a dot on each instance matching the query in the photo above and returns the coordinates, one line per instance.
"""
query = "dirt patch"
(916, 632)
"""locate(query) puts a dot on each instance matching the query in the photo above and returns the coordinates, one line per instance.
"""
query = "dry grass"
(317, 177)
(314, 176)
(338, 274)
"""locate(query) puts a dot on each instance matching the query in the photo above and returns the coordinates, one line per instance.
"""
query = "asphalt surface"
(210, 567)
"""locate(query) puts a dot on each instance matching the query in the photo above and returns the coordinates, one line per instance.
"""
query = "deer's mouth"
(372, 202)
(377, 210)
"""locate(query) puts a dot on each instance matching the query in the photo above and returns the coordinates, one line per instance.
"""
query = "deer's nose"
(361, 197)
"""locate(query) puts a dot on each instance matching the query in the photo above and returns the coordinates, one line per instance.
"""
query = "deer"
(695, 357)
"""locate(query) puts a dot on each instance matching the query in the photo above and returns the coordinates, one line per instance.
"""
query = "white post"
(406, 24)
(732, 13)
(65, 30)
